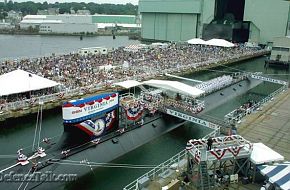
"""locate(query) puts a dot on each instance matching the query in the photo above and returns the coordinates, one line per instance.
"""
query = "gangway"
(236, 115)
(259, 76)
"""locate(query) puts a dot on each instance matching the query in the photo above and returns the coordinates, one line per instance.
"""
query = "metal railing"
(233, 117)
(155, 172)
(152, 174)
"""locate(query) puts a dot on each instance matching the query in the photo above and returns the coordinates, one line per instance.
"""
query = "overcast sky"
(135, 2)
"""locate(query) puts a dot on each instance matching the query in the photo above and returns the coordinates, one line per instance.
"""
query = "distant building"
(6, 26)
(83, 12)
(14, 17)
(237, 20)
(77, 23)
(281, 50)
(49, 11)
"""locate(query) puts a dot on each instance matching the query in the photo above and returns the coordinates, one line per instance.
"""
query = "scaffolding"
(213, 168)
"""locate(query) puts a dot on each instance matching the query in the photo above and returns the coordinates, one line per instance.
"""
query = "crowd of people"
(78, 71)
(236, 115)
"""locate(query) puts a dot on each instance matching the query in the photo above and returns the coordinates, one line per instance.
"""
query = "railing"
(233, 118)
(152, 174)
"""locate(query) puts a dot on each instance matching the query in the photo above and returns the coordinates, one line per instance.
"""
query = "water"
(16, 46)
(19, 133)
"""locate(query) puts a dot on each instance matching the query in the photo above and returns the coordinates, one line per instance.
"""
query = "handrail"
(232, 118)
(152, 174)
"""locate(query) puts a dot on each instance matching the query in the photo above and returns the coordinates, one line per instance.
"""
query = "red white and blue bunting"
(134, 111)
(192, 146)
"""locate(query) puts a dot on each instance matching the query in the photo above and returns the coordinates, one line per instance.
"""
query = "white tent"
(19, 81)
(263, 154)
(175, 86)
(128, 83)
(219, 42)
(196, 41)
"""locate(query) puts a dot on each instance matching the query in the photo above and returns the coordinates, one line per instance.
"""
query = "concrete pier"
(270, 125)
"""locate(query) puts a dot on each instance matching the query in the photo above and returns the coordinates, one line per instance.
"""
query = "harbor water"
(18, 133)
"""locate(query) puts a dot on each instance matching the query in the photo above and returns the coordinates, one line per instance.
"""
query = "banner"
(187, 117)
(269, 79)
(98, 126)
(83, 109)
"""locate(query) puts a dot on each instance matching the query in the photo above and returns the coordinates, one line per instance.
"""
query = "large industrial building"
(235, 20)
(70, 24)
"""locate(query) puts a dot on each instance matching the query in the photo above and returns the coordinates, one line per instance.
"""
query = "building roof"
(34, 17)
(19, 81)
(41, 22)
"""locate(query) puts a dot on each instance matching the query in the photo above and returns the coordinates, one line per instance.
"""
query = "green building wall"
(268, 19)
(121, 19)
(174, 20)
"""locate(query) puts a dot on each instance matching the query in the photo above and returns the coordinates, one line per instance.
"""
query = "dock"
(24, 108)
(270, 125)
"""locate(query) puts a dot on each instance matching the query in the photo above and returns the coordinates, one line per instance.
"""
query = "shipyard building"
(70, 24)
(238, 21)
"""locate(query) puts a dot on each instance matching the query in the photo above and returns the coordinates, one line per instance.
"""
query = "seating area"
(215, 84)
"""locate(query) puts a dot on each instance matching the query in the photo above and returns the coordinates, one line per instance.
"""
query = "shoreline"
(32, 109)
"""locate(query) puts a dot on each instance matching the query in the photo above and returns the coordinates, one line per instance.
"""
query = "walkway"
(270, 125)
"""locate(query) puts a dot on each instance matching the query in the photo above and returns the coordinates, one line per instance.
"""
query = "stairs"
(204, 177)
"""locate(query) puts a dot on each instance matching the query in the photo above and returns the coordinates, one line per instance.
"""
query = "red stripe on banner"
(90, 103)
(68, 105)
(99, 100)
(235, 150)
(218, 153)
(107, 98)
(84, 129)
(113, 95)
(81, 105)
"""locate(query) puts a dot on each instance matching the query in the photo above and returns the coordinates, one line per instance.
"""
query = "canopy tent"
(196, 41)
(175, 86)
(19, 81)
(219, 42)
(212, 42)
(278, 174)
(263, 154)
(128, 83)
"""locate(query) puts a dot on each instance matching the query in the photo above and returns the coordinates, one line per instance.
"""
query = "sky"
(134, 2)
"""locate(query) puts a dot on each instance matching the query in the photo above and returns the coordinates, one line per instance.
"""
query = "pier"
(29, 106)
(270, 125)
